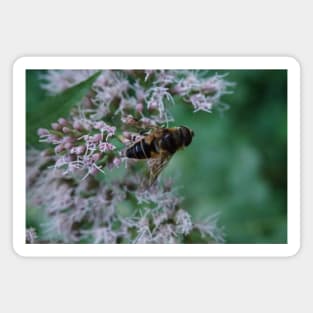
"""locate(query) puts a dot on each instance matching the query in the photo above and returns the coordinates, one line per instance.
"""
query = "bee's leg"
(120, 138)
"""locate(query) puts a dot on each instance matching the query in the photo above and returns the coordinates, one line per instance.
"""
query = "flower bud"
(98, 125)
(117, 162)
(96, 157)
(68, 145)
(94, 171)
(106, 146)
(62, 121)
(153, 105)
(56, 126)
(127, 135)
(66, 130)
(96, 138)
(59, 148)
(80, 149)
(42, 132)
(139, 107)
(77, 125)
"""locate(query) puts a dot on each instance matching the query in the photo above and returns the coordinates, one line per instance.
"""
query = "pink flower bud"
(140, 94)
(191, 79)
(62, 121)
(117, 162)
(96, 157)
(98, 125)
(66, 139)
(58, 148)
(80, 149)
(127, 135)
(152, 105)
(42, 132)
(179, 89)
(208, 86)
(53, 138)
(94, 171)
(77, 125)
(123, 86)
(69, 158)
(66, 130)
(106, 146)
(86, 126)
(68, 145)
(139, 107)
(56, 126)
(96, 138)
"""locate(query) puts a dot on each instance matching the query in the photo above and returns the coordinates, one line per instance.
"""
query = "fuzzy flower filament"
(80, 145)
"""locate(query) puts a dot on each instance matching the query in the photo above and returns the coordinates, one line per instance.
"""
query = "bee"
(158, 146)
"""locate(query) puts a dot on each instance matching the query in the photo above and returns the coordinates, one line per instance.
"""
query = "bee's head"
(187, 135)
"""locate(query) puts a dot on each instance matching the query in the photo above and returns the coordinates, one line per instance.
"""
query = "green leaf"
(34, 93)
(54, 107)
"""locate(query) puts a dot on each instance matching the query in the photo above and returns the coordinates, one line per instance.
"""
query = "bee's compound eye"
(188, 139)
(187, 135)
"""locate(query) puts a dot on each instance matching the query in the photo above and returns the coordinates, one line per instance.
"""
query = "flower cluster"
(144, 94)
(81, 145)
(55, 81)
(93, 212)
(82, 207)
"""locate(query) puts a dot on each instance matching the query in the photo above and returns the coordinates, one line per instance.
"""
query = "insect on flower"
(157, 146)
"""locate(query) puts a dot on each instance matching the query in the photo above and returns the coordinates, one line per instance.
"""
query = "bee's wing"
(156, 166)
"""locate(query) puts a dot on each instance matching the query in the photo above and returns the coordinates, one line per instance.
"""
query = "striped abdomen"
(140, 150)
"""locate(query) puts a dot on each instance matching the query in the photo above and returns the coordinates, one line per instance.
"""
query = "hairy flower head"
(112, 207)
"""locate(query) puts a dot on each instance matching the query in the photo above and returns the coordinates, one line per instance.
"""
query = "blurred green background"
(237, 163)
(236, 166)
